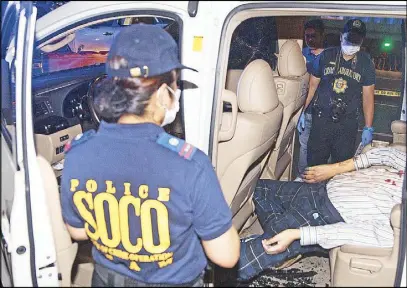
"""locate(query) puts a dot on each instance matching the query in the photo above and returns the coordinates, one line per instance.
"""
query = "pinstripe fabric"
(352, 208)
(364, 198)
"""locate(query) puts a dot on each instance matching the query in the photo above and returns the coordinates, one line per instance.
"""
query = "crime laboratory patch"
(340, 85)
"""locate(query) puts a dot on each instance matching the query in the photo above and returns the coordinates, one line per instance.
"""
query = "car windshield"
(89, 45)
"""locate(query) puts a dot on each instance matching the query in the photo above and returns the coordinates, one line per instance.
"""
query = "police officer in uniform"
(340, 80)
(150, 203)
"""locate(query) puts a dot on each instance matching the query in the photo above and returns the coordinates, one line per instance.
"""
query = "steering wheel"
(89, 99)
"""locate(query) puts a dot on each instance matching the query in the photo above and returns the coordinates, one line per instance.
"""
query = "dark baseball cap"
(148, 50)
(356, 31)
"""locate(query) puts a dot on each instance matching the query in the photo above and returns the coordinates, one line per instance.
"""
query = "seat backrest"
(291, 85)
(65, 249)
(398, 127)
(376, 266)
(256, 129)
(232, 79)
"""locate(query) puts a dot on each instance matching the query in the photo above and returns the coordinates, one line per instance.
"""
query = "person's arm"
(212, 218)
(368, 104)
(73, 221)
(368, 83)
(333, 235)
(321, 173)
(315, 77)
(78, 234)
(313, 85)
(341, 233)
(387, 156)
(377, 156)
(217, 249)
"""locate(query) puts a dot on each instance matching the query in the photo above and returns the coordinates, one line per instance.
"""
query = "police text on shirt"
(96, 227)
(343, 71)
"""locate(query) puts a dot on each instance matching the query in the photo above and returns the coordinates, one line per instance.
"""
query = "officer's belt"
(328, 114)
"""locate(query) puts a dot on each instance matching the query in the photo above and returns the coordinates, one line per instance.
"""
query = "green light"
(387, 44)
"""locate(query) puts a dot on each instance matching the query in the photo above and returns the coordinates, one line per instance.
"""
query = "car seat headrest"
(290, 60)
(256, 90)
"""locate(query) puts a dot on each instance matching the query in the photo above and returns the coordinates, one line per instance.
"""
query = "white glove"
(301, 123)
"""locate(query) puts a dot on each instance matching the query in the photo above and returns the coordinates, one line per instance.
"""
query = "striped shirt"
(364, 198)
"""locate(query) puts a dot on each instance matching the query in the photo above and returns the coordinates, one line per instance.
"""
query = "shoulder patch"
(175, 144)
(80, 138)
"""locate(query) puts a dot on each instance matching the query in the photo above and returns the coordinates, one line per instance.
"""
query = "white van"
(47, 101)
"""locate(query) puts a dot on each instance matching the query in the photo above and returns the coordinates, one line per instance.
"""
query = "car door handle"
(108, 33)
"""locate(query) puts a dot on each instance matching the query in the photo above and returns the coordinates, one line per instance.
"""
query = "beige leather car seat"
(292, 87)
(66, 250)
(367, 266)
(398, 127)
(232, 79)
(255, 130)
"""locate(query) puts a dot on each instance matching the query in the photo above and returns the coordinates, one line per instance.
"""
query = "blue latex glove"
(367, 135)
(301, 123)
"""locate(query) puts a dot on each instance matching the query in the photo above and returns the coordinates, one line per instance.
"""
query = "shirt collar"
(133, 131)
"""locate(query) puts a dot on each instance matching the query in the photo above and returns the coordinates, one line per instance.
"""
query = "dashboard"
(60, 99)
(53, 113)
(60, 110)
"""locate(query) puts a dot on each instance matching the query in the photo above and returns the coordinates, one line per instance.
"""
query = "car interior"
(264, 86)
(265, 154)
(62, 109)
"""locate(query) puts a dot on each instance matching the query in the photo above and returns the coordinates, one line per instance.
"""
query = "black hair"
(114, 97)
(316, 24)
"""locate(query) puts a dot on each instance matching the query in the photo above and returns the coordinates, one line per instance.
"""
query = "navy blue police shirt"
(347, 83)
(146, 199)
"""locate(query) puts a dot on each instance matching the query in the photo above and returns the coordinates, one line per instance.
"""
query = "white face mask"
(170, 114)
(349, 49)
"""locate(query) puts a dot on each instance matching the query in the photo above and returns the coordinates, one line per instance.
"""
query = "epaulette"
(175, 144)
(80, 138)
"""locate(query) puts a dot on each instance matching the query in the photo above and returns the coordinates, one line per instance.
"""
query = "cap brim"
(180, 66)
(354, 37)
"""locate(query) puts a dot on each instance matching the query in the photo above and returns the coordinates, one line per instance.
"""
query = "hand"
(301, 123)
(367, 135)
(319, 173)
(281, 241)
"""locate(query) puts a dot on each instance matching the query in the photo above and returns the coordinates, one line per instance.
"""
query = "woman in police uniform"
(150, 203)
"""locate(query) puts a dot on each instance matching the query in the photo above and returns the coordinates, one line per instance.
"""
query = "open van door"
(40, 248)
(28, 256)
(198, 45)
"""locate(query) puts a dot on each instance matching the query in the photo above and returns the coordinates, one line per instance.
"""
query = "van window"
(254, 38)
(86, 53)
(90, 45)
